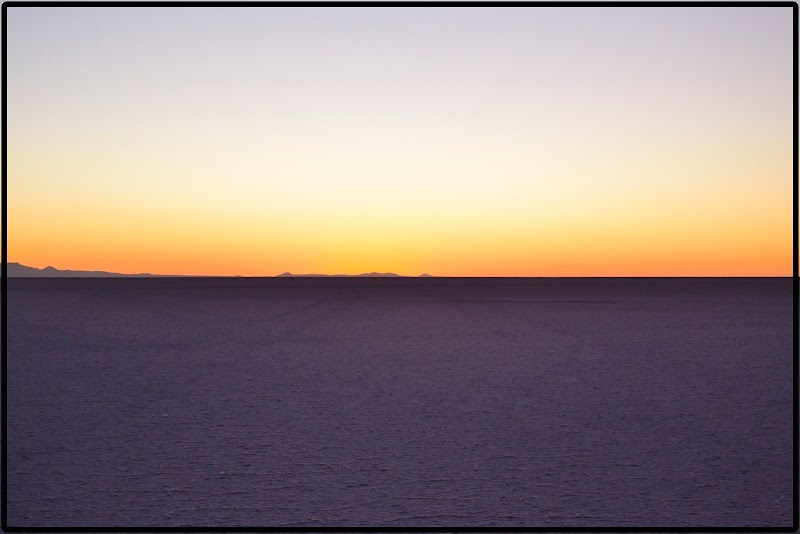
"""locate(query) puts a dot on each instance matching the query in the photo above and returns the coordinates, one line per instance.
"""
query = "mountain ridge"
(362, 275)
(17, 270)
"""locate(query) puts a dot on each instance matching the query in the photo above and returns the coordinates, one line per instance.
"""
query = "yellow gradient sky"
(453, 141)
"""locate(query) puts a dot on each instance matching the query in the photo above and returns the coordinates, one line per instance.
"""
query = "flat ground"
(399, 402)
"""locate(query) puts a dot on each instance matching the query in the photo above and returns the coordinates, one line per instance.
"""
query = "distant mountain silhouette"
(18, 270)
(372, 275)
(425, 275)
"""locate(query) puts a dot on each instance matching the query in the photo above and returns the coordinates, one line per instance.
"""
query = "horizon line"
(81, 273)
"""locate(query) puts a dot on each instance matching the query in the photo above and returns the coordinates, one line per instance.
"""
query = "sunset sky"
(453, 141)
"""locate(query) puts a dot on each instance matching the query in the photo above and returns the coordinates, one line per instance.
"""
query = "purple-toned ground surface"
(400, 402)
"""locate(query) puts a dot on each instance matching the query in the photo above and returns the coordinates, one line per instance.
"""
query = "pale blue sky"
(474, 118)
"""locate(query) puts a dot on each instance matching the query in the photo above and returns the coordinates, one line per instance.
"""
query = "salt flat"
(399, 402)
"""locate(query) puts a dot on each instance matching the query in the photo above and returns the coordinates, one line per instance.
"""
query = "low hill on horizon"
(362, 275)
(17, 270)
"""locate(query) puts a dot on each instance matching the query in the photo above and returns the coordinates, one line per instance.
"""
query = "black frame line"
(393, 3)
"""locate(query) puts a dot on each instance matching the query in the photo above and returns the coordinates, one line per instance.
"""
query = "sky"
(473, 141)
